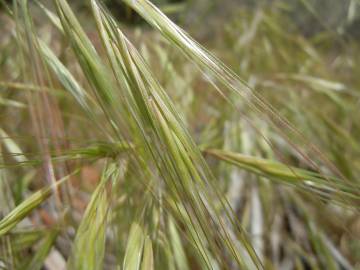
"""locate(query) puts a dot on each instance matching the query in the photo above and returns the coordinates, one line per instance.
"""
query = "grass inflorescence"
(137, 148)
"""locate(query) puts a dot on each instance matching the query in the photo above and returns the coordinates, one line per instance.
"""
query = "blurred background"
(301, 56)
(310, 17)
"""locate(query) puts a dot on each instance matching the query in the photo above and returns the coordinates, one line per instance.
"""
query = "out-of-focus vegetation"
(125, 144)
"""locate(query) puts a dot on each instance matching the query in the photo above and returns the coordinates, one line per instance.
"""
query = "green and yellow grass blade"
(134, 248)
(147, 262)
(25, 207)
(343, 193)
(89, 245)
